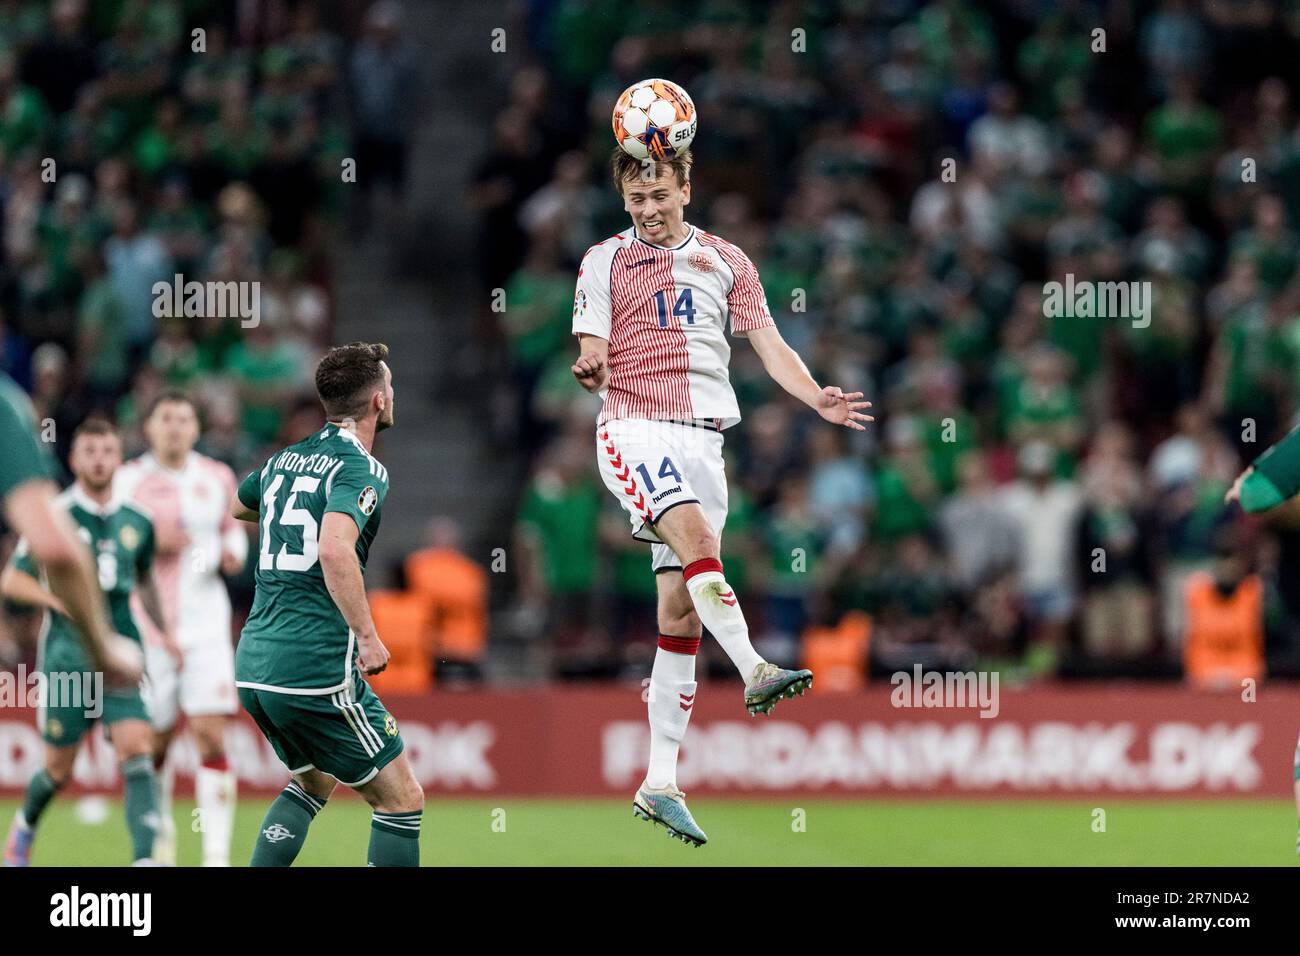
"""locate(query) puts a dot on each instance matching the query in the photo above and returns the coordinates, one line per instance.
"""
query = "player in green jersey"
(27, 491)
(310, 637)
(121, 538)
(1270, 480)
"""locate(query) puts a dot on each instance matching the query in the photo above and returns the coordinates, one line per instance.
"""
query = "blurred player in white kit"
(188, 496)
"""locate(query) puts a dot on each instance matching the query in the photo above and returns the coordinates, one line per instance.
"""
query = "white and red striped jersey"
(196, 498)
(665, 313)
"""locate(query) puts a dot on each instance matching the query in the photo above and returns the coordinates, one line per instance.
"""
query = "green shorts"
(67, 717)
(347, 735)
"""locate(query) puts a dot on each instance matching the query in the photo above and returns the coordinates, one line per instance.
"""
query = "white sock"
(719, 608)
(166, 777)
(164, 839)
(214, 791)
(672, 699)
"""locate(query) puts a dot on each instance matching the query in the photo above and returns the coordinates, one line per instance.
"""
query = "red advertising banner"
(1119, 739)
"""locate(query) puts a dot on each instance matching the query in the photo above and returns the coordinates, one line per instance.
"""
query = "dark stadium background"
(481, 139)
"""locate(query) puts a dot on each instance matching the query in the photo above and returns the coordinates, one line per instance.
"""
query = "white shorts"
(203, 686)
(654, 466)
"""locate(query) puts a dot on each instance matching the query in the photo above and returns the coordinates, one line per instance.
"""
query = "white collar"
(88, 504)
(690, 234)
(157, 463)
(350, 435)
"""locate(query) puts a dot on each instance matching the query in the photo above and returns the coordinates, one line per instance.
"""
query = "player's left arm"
(146, 586)
(19, 582)
(151, 601)
(234, 539)
(1271, 479)
(788, 370)
(751, 318)
(247, 498)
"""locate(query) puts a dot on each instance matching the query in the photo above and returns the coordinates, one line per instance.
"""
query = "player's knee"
(161, 742)
(319, 785)
(411, 795)
(701, 543)
(133, 739)
(210, 744)
(416, 795)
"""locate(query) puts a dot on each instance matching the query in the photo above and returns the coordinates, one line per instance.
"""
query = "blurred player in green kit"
(1272, 479)
(121, 541)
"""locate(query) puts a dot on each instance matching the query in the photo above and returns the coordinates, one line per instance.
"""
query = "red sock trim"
(679, 645)
(700, 566)
(216, 763)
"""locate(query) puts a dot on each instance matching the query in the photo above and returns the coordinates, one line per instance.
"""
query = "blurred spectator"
(556, 527)
(1115, 542)
(1223, 641)
(384, 78)
(136, 261)
(1046, 509)
(454, 589)
(981, 540)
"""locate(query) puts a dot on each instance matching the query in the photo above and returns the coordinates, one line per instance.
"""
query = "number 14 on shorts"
(666, 470)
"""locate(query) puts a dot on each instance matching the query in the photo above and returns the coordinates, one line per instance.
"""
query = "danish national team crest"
(367, 500)
(701, 262)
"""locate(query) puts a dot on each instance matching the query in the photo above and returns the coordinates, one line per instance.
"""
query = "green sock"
(40, 791)
(395, 839)
(284, 828)
(141, 804)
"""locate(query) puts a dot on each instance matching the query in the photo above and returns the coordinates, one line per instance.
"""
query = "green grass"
(752, 832)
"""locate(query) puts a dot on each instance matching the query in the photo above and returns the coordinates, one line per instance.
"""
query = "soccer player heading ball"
(651, 314)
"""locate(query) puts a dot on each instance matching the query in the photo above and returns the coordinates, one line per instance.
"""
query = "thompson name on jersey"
(295, 639)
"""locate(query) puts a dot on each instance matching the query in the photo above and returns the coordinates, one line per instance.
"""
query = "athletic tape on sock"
(670, 707)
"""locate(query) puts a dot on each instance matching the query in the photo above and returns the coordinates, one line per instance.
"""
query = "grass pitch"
(759, 832)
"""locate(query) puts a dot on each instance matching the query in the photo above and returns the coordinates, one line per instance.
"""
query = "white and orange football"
(654, 119)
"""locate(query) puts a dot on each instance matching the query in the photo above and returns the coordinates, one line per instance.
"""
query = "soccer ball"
(654, 119)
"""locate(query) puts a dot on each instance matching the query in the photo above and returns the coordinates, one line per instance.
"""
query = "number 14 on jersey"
(683, 308)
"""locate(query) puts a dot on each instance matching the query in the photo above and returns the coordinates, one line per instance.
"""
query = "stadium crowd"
(1041, 492)
(145, 139)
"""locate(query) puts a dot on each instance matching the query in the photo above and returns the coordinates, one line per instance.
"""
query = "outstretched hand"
(840, 408)
(1234, 493)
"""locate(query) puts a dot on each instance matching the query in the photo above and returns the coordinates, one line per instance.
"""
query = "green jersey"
(23, 458)
(120, 537)
(295, 640)
(1276, 476)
